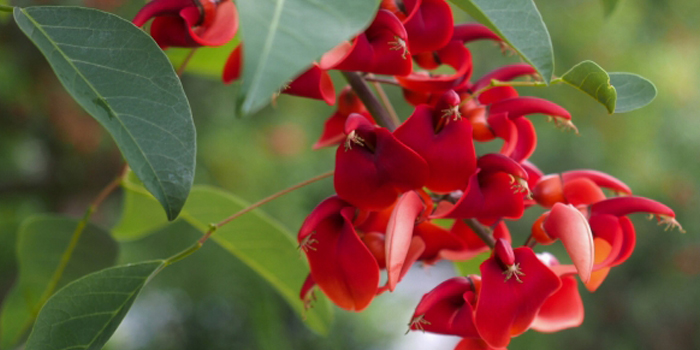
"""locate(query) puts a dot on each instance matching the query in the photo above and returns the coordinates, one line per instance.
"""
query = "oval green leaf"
(41, 243)
(633, 91)
(85, 313)
(283, 37)
(520, 24)
(255, 238)
(119, 75)
(590, 78)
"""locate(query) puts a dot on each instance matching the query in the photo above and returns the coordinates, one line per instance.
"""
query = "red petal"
(449, 152)
(429, 26)
(571, 227)
(600, 178)
(399, 233)
(468, 32)
(314, 83)
(527, 140)
(341, 264)
(518, 107)
(475, 344)
(371, 180)
(456, 56)
(620, 206)
(507, 308)
(234, 64)
(505, 73)
(582, 191)
(445, 310)
(221, 30)
(158, 8)
(170, 31)
(562, 310)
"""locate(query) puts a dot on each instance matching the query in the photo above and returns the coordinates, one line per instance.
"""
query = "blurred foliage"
(54, 158)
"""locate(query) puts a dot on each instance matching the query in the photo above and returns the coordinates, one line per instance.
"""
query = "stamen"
(418, 323)
(519, 185)
(564, 124)
(670, 223)
(453, 112)
(353, 138)
(306, 243)
(513, 271)
(399, 44)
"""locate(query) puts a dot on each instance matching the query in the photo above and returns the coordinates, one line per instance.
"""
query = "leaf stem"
(214, 227)
(5, 8)
(495, 83)
(67, 254)
(183, 65)
(481, 231)
(370, 100)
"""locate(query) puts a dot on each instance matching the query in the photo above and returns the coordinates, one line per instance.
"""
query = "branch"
(482, 231)
(370, 100)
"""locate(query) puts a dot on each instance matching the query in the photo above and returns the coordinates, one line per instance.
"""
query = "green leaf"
(139, 216)
(119, 75)
(633, 91)
(41, 243)
(520, 24)
(85, 313)
(609, 6)
(283, 37)
(590, 78)
(471, 266)
(255, 238)
(207, 61)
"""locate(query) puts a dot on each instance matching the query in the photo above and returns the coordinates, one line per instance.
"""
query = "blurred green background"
(54, 158)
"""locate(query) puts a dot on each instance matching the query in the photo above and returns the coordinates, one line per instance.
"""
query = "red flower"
(515, 285)
(341, 264)
(381, 49)
(348, 103)
(313, 83)
(187, 23)
(443, 139)
(372, 167)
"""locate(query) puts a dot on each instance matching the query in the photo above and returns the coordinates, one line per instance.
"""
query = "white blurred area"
(391, 312)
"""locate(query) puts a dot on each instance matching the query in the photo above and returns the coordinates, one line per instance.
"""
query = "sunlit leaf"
(119, 75)
(85, 313)
(590, 78)
(520, 24)
(207, 61)
(283, 37)
(41, 243)
(255, 238)
(633, 91)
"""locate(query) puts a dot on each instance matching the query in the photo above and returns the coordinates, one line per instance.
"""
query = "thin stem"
(214, 227)
(382, 80)
(481, 231)
(183, 65)
(495, 83)
(5, 8)
(530, 242)
(387, 103)
(370, 100)
(68, 253)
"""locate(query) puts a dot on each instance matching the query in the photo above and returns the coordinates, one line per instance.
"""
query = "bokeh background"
(55, 158)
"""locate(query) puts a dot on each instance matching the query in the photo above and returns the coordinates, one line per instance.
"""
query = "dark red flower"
(188, 23)
(372, 167)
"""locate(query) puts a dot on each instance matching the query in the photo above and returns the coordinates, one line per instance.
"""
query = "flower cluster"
(394, 181)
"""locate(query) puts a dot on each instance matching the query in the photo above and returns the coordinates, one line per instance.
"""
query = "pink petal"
(571, 227)
(399, 233)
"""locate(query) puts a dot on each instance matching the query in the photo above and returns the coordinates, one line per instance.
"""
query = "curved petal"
(430, 27)
(314, 83)
(562, 310)
(399, 233)
(566, 223)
